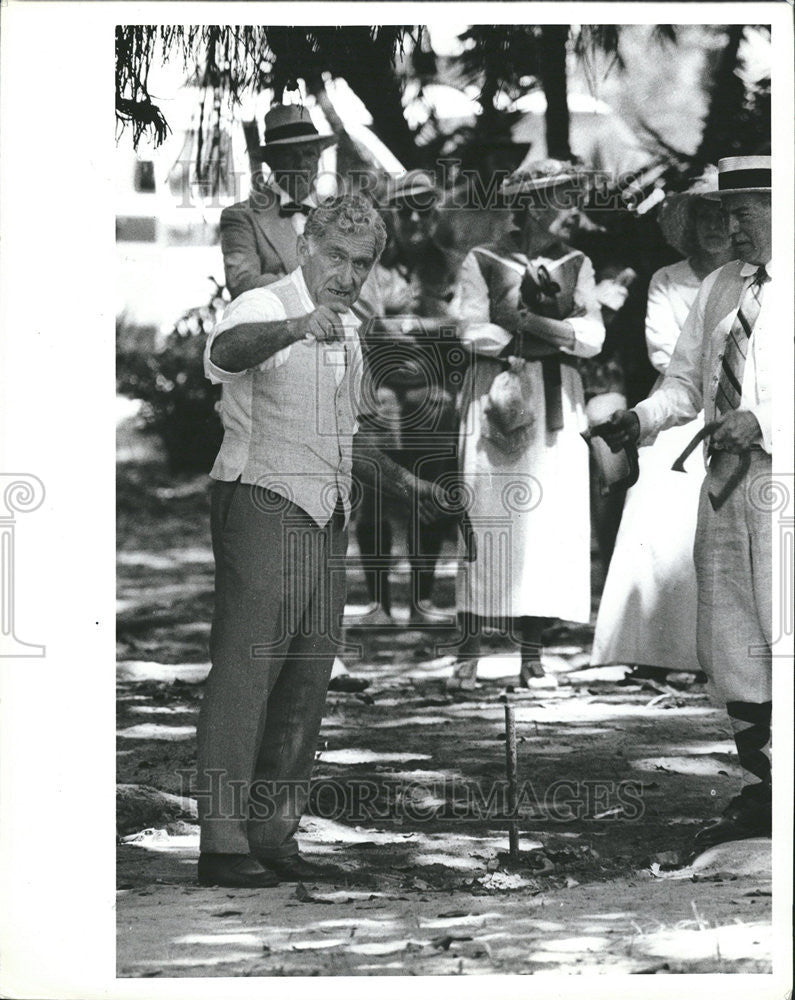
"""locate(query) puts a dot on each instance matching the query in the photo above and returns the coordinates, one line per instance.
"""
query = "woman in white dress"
(647, 614)
(527, 307)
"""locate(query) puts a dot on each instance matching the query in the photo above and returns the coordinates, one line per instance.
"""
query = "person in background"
(258, 235)
(413, 364)
(647, 614)
(723, 363)
(528, 310)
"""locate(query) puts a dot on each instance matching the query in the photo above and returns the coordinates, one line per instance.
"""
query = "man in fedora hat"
(723, 364)
(258, 236)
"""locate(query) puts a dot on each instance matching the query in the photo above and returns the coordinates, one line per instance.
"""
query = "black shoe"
(235, 871)
(348, 683)
(744, 817)
(295, 869)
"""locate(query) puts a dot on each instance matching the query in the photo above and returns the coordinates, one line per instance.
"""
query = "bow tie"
(290, 208)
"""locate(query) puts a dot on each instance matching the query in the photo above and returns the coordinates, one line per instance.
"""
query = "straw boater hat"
(675, 214)
(739, 174)
(289, 125)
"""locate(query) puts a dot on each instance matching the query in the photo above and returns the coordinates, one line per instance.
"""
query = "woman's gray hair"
(349, 213)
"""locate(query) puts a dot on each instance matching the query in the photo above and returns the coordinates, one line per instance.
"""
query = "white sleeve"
(662, 330)
(679, 397)
(472, 307)
(258, 305)
(589, 330)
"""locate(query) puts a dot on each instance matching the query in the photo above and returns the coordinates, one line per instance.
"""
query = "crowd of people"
(377, 372)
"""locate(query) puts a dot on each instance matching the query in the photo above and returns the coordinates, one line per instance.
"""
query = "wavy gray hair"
(349, 213)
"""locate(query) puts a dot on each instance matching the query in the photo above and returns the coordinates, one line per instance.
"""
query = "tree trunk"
(553, 79)
(726, 103)
(366, 64)
(380, 94)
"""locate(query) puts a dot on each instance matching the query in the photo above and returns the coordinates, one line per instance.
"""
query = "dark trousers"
(279, 600)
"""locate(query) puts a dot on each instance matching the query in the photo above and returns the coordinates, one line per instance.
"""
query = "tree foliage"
(237, 60)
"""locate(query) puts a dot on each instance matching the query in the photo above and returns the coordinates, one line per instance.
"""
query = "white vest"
(303, 418)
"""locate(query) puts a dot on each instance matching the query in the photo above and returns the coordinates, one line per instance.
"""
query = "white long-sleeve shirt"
(475, 301)
(672, 292)
(691, 381)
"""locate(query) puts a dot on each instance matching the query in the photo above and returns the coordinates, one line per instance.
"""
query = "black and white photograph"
(443, 451)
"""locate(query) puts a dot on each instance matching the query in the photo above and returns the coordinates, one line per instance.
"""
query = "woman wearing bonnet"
(647, 615)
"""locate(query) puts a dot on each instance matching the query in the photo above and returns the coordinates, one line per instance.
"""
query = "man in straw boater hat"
(528, 309)
(723, 363)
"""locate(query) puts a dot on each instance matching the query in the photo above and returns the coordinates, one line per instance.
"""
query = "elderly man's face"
(748, 217)
(295, 168)
(335, 266)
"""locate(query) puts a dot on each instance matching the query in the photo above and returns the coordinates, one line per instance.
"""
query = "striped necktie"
(730, 383)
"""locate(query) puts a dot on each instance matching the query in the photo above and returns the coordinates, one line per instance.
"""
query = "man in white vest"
(723, 364)
(289, 360)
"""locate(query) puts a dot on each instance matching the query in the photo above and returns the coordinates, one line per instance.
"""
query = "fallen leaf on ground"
(446, 940)
(302, 893)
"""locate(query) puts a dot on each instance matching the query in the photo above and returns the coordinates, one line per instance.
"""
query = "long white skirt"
(647, 614)
(530, 513)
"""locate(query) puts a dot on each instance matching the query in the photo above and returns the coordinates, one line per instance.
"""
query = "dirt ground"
(615, 774)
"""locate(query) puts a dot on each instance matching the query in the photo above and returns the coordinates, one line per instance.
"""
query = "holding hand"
(323, 325)
(432, 501)
(738, 430)
(621, 429)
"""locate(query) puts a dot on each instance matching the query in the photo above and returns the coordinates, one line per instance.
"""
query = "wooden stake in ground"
(511, 769)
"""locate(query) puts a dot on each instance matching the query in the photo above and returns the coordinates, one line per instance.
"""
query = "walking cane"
(716, 499)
